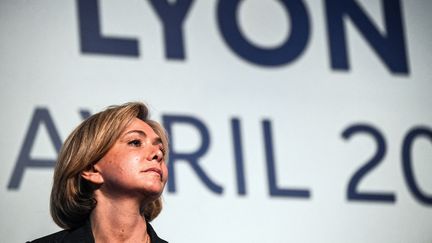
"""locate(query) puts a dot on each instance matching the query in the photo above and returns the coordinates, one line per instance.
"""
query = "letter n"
(390, 47)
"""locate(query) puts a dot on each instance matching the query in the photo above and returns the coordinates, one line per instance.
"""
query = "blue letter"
(172, 16)
(390, 47)
(85, 114)
(407, 163)
(271, 169)
(91, 38)
(238, 154)
(287, 52)
(193, 158)
(40, 116)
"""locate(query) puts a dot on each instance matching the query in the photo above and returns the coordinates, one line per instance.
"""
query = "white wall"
(308, 103)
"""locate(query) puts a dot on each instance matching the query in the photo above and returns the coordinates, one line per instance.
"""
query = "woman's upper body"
(111, 171)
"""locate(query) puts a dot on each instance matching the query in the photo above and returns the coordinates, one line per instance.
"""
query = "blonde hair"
(72, 198)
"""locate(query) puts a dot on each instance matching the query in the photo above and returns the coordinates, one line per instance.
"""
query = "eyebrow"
(156, 140)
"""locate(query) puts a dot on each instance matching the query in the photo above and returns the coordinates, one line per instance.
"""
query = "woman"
(109, 177)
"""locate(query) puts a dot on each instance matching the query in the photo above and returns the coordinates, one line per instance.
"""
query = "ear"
(93, 175)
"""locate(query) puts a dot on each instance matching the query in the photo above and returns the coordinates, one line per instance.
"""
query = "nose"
(156, 154)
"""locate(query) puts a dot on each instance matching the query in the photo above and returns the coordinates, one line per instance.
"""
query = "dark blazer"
(84, 234)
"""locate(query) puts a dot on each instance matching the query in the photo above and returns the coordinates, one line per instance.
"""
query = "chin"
(153, 190)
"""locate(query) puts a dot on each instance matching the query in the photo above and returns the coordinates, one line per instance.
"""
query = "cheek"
(121, 164)
(130, 164)
(165, 172)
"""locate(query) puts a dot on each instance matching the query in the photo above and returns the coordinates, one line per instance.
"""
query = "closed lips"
(158, 171)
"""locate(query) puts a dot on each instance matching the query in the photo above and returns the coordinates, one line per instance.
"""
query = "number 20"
(352, 192)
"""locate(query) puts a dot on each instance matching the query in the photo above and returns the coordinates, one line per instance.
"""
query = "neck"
(118, 220)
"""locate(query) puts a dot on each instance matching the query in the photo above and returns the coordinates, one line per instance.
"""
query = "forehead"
(140, 125)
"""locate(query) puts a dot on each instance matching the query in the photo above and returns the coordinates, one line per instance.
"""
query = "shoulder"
(56, 237)
(153, 236)
(80, 234)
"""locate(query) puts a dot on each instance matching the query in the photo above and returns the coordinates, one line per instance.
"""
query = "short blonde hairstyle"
(72, 197)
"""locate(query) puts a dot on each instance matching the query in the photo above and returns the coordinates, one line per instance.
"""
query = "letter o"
(285, 53)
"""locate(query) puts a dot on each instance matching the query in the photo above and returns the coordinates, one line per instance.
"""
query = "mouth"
(154, 170)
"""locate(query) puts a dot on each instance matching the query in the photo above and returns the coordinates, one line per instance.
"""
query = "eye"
(162, 149)
(135, 143)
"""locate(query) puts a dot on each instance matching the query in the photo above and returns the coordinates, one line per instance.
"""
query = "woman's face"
(135, 165)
